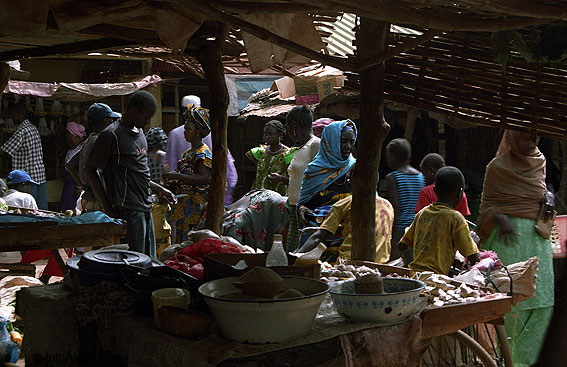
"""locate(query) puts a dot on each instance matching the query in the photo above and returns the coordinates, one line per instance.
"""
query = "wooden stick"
(245, 7)
(211, 62)
(65, 49)
(372, 131)
(264, 34)
(391, 52)
(431, 19)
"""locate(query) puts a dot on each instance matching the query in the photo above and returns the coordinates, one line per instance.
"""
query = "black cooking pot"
(99, 265)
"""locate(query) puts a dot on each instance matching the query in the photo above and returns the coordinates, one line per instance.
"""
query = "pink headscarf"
(76, 129)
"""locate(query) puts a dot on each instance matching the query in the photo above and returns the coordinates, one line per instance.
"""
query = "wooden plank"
(62, 236)
(444, 320)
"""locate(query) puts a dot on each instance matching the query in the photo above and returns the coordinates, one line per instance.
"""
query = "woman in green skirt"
(511, 200)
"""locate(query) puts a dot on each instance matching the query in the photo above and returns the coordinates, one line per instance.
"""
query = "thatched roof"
(454, 75)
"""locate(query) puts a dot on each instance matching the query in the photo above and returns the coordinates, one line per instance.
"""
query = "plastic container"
(311, 257)
(177, 297)
(277, 255)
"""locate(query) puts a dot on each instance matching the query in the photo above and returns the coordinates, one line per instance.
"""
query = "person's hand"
(507, 232)
(165, 194)
(275, 177)
(304, 213)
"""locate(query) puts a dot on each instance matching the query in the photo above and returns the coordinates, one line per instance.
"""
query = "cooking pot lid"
(117, 256)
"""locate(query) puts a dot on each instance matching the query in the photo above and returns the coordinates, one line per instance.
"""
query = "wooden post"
(372, 130)
(211, 62)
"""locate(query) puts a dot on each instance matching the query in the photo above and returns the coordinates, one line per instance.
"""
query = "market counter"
(134, 341)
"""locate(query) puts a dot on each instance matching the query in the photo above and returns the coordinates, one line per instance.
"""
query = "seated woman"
(255, 218)
(272, 158)
(193, 172)
(326, 179)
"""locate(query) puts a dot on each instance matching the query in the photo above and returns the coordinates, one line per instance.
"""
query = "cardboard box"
(326, 85)
(315, 83)
(285, 86)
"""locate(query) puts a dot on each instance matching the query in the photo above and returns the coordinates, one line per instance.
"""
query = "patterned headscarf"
(200, 117)
(156, 137)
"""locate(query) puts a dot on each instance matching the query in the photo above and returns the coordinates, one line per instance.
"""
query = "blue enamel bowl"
(399, 302)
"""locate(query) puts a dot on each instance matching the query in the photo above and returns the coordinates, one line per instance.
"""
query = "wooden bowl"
(183, 323)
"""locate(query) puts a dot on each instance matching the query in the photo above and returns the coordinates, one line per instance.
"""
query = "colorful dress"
(188, 210)
(267, 163)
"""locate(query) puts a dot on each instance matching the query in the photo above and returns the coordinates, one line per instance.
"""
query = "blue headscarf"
(328, 165)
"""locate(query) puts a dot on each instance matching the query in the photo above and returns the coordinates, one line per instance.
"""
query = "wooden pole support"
(211, 62)
(372, 131)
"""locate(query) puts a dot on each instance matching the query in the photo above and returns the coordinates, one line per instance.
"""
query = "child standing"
(438, 231)
(193, 171)
(272, 160)
(429, 166)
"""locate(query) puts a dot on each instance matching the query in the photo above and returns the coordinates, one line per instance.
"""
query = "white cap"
(191, 99)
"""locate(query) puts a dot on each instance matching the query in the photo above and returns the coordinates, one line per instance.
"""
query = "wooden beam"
(65, 49)
(211, 62)
(391, 52)
(524, 8)
(372, 130)
(430, 19)
(246, 7)
(266, 35)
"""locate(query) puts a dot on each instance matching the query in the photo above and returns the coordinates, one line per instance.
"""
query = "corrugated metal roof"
(342, 34)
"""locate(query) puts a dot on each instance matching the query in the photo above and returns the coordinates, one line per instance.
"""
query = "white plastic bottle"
(277, 255)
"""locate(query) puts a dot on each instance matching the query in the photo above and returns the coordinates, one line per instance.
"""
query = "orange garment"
(514, 183)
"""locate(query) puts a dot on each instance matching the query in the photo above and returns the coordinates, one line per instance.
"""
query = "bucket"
(177, 297)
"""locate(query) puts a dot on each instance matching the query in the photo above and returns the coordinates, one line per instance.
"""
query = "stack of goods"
(443, 290)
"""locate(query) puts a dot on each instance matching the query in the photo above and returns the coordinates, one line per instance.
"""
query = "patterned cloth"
(156, 138)
(25, 148)
(255, 222)
(339, 215)
(187, 212)
(200, 117)
(270, 163)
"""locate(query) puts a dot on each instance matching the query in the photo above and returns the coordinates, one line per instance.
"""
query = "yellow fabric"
(162, 229)
(339, 215)
(437, 232)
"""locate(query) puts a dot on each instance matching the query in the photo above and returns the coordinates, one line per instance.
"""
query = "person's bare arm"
(473, 259)
(201, 178)
(276, 177)
(73, 167)
(320, 235)
(162, 192)
(96, 184)
(389, 191)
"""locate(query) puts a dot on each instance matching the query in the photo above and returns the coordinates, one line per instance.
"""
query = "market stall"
(136, 341)
(53, 231)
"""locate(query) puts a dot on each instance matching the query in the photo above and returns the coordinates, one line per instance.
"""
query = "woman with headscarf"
(193, 171)
(271, 159)
(75, 135)
(326, 178)
(157, 139)
(511, 201)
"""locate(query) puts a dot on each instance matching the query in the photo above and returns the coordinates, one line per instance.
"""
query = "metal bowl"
(264, 321)
(399, 302)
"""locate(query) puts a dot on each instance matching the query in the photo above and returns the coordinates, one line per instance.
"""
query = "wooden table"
(56, 237)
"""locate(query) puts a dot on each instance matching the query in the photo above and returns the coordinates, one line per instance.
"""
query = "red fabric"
(427, 196)
(190, 260)
(52, 268)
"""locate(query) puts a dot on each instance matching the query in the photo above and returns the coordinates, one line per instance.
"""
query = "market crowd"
(159, 185)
